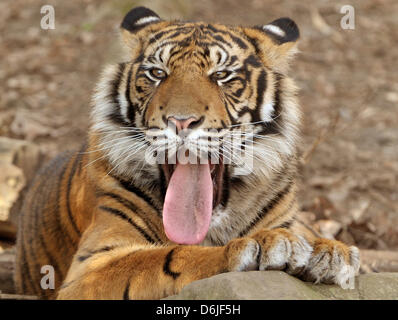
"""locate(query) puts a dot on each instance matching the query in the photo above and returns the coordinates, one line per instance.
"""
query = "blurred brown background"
(348, 81)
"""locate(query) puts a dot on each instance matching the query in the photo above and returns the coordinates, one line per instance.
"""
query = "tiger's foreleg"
(125, 255)
(153, 273)
(119, 257)
(308, 257)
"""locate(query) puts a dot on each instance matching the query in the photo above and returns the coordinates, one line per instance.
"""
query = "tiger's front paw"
(242, 254)
(282, 250)
(333, 262)
(324, 261)
(276, 249)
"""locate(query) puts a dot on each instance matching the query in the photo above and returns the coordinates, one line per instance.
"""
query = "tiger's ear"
(135, 25)
(275, 42)
(139, 18)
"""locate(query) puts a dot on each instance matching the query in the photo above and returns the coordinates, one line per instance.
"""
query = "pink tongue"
(188, 203)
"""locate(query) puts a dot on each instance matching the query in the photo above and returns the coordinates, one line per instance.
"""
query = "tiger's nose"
(182, 123)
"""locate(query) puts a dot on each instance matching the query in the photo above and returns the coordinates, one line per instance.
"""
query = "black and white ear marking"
(282, 30)
(138, 18)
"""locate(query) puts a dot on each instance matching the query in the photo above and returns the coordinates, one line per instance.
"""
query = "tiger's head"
(219, 93)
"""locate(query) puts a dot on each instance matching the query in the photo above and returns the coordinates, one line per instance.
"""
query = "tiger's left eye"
(158, 73)
(219, 75)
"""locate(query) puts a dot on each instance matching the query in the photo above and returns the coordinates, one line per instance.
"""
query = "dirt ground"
(348, 81)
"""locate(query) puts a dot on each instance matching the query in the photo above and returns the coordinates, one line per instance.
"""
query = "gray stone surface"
(277, 285)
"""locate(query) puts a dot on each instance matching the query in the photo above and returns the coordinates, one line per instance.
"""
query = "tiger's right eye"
(158, 73)
(220, 75)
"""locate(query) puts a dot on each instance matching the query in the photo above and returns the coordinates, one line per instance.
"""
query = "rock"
(379, 286)
(278, 285)
(19, 161)
(246, 285)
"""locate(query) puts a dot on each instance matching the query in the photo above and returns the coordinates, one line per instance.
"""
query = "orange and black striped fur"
(96, 215)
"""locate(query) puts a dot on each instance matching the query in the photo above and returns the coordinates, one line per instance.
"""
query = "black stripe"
(160, 34)
(285, 225)
(129, 220)
(131, 108)
(126, 295)
(144, 108)
(129, 186)
(166, 266)
(219, 38)
(34, 245)
(226, 187)
(253, 61)
(163, 184)
(69, 185)
(273, 127)
(93, 252)
(261, 87)
(172, 55)
(255, 44)
(291, 203)
(277, 99)
(233, 82)
(116, 116)
(52, 262)
(232, 103)
(271, 204)
(234, 38)
(177, 33)
(132, 207)
(22, 271)
(25, 240)
(132, 188)
(59, 229)
(82, 150)
(26, 270)
(231, 118)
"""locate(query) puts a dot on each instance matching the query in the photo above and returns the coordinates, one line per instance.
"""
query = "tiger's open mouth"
(217, 175)
(193, 191)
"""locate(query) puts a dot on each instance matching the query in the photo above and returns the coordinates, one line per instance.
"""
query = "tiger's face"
(197, 98)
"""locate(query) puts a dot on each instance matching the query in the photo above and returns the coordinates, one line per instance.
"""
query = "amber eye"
(219, 75)
(158, 73)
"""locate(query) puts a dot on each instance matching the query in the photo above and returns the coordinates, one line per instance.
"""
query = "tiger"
(115, 225)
